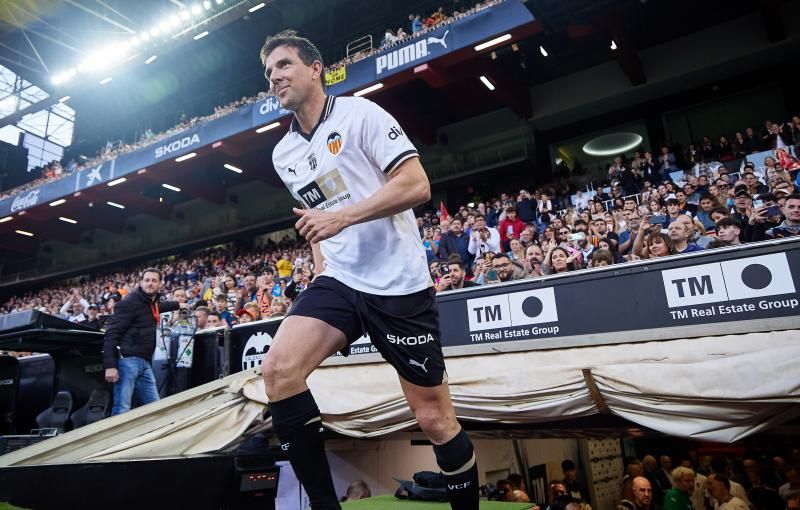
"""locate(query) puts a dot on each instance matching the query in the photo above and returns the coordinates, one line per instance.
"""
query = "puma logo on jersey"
(437, 40)
(292, 170)
(416, 363)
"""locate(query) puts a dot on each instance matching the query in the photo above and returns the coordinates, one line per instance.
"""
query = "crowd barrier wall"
(750, 288)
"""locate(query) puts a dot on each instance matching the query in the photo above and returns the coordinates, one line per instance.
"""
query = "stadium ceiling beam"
(100, 16)
(135, 201)
(196, 187)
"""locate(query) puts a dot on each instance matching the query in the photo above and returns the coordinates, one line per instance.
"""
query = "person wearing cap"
(92, 319)
(244, 316)
(742, 204)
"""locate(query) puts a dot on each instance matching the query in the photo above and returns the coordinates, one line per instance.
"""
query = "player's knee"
(278, 374)
(434, 424)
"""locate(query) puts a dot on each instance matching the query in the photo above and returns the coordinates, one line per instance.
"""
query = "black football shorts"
(404, 329)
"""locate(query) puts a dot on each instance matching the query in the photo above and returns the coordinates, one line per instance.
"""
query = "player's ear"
(317, 69)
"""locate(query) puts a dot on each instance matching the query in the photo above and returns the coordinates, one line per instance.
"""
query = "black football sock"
(456, 459)
(297, 423)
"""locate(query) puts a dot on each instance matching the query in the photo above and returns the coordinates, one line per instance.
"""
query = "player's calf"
(456, 459)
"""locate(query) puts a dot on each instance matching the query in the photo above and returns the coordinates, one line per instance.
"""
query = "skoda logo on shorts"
(254, 350)
(334, 143)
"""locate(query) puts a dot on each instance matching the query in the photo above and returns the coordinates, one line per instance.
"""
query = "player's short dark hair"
(152, 270)
(793, 197)
(305, 49)
(720, 210)
(203, 309)
(455, 258)
(215, 314)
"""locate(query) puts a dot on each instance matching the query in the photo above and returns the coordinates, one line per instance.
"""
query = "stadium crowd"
(416, 27)
(645, 208)
(753, 481)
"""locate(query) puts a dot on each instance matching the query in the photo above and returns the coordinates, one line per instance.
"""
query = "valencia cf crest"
(334, 143)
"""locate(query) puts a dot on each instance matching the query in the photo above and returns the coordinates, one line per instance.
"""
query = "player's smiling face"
(291, 81)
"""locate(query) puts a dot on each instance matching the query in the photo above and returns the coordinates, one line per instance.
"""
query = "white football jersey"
(349, 156)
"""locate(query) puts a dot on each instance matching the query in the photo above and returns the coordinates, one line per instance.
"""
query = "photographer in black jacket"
(130, 341)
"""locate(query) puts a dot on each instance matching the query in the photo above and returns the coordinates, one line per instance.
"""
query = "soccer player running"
(358, 176)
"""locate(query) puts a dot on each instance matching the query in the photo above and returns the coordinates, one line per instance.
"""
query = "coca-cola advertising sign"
(24, 201)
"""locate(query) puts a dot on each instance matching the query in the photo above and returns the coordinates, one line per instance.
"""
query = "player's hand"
(316, 225)
(112, 375)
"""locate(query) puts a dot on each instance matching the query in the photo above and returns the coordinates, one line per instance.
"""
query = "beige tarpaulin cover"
(714, 388)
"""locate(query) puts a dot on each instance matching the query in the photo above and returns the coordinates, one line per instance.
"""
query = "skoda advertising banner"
(710, 293)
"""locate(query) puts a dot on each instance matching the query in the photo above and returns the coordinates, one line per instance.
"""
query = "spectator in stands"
(213, 320)
(720, 466)
(643, 494)
(574, 486)
(680, 234)
(558, 260)
(483, 239)
(752, 143)
(544, 208)
(779, 137)
(534, 256)
(284, 266)
(358, 489)
(455, 241)
(244, 316)
(510, 228)
(720, 488)
(389, 38)
(666, 163)
(221, 307)
(791, 224)
(707, 204)
(678, 497)
(518, 484)
(659, 483)
(454, 277)
(633, 469)
(507, 269)
(755, 187)
(201, 317)
(279, 307)
(92, 318)
(67, 310)
(728, 231)
(416, 23)
(76, 314)
(526, 207)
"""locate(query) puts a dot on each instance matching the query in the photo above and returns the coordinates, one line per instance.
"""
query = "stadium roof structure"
(565, 37)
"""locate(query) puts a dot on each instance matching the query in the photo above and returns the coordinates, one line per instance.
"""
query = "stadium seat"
(55, 416)
(95, 409)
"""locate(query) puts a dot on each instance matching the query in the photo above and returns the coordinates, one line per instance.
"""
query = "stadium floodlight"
(613, 45)
(24, 233)
(106, 80)
(114, 204)
(542, 51)
(200, 35)
(219, 2)
(257, 7)
(486, 82)
(57, 79)
(174, 20)
(493, 42)
(232, 168)
(64, 99)
(67, 220)
(196, 9)
(163, 26)
(185, 157)
(117, 181)
(184, 14)
(171, 187)
(154, 31)
(268, 127)
(57, 202)
(206, 5)
(145, 36)
(151, 59)
(135, 41)
(7, 218)
(367, 90)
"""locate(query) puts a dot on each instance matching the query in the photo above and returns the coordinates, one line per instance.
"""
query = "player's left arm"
(408, 186)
